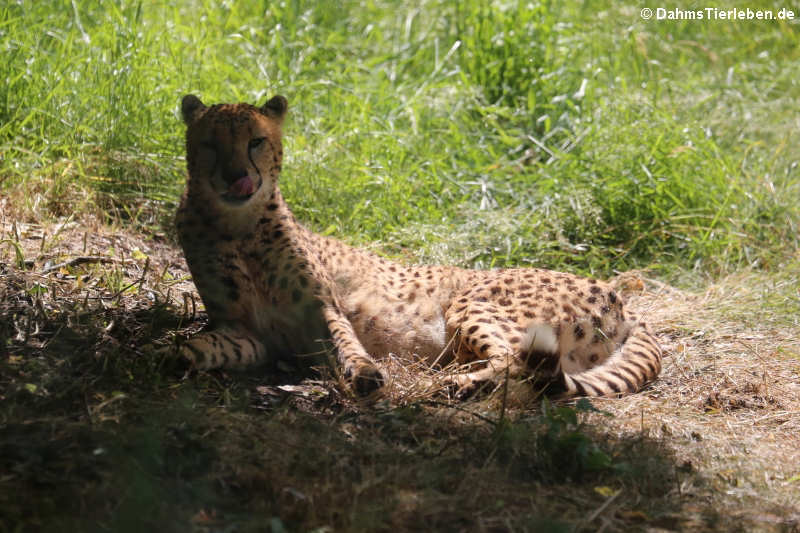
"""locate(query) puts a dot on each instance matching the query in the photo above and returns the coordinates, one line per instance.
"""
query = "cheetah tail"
(628, 369)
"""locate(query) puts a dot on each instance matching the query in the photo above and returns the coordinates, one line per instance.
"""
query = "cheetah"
(272, 288)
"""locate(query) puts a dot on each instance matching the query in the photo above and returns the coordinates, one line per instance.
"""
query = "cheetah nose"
(242, 187)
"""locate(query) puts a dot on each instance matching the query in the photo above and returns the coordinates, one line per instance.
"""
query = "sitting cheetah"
(273, 288)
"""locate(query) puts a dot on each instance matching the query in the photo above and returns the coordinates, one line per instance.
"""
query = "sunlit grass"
(557, 134)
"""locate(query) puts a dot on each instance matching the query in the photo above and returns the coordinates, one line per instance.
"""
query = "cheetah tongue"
(241, 187)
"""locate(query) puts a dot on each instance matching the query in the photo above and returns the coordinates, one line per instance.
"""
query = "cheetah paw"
(364, 379)
(462, 387)
(468, 390)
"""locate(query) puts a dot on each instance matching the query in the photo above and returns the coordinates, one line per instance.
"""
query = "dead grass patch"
(728, 399)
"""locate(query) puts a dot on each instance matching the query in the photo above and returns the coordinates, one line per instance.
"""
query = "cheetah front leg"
(223, 347)
(359, 368)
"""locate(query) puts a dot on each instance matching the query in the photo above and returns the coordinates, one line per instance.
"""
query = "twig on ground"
(602, 508)
(81, 260)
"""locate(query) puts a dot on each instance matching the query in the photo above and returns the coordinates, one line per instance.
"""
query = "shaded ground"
(100, 431)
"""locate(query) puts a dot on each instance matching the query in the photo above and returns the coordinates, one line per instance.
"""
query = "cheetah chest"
(283, 312)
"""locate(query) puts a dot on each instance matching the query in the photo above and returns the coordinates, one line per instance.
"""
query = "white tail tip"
(540, 338)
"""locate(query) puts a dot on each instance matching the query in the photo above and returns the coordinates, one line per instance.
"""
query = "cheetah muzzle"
(274, 289)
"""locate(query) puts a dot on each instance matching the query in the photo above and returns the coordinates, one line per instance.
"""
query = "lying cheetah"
(272, 287)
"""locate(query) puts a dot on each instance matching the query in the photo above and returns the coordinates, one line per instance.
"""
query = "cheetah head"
(233, 151)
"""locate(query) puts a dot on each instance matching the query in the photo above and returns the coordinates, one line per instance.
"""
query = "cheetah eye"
(255, 143)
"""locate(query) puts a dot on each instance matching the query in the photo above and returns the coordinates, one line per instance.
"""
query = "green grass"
(570, 135)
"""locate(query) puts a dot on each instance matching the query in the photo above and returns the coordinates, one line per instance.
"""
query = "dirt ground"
(88, 312)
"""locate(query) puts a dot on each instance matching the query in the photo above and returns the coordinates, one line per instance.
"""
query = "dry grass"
(728, 399)
(96, 428)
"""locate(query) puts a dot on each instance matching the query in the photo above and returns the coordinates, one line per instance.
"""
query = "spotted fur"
(273, 288)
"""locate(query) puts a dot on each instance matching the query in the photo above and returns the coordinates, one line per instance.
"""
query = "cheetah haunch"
(273, 288)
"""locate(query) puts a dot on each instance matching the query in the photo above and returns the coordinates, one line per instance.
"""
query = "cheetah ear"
(276, 107)
(191, 108)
